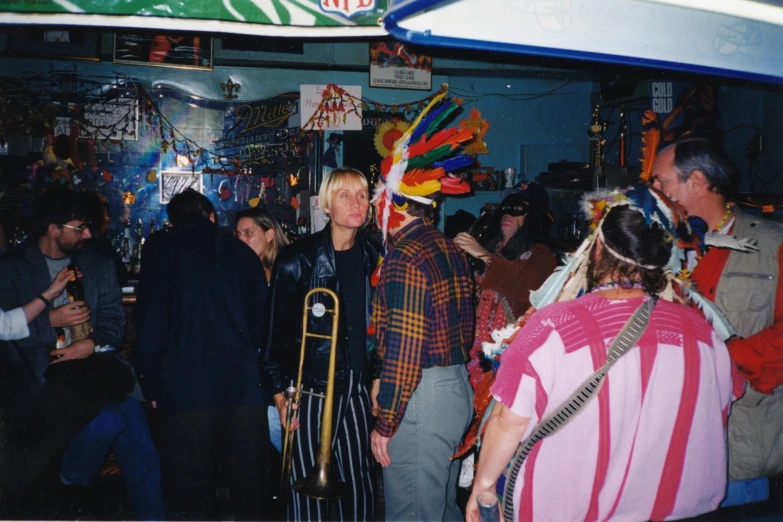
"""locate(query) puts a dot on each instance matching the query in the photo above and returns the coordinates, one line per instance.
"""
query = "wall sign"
(107, 121)
(258, 17)
(399, 66)
(331, 107)
(71, 45)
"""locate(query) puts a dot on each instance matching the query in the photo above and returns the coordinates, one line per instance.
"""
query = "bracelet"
(45, 300)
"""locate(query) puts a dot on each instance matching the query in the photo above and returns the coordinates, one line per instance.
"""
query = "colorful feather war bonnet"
(421, 163)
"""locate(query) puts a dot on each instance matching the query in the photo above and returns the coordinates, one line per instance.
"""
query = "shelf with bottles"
(130, 243)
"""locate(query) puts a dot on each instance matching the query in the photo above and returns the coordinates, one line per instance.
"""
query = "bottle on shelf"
(623, 139)
(126, 245)
(136, 256)
(152, 226)
(140, 232)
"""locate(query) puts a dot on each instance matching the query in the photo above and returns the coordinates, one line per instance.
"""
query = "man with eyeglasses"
(49, 400)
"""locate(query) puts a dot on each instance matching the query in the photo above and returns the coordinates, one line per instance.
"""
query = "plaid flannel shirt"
(422, 315)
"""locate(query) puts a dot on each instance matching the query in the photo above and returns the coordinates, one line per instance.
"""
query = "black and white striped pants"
(351, 456)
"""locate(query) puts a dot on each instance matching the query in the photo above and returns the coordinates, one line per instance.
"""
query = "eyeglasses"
(81, 228)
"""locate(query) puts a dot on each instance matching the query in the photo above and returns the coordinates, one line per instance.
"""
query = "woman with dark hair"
(648, 441)
(516, 260)
(515, 256)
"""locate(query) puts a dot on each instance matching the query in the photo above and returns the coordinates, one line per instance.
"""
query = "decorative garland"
(31, 104)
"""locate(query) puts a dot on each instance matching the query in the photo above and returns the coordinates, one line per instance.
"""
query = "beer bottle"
(74, 291)
(136, 257)
(152, 226)
(126, 248)
(73, 287)
(59, 332)
(140, 233)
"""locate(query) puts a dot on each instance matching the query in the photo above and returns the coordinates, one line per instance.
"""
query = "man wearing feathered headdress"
(742, 276)
(423, 323)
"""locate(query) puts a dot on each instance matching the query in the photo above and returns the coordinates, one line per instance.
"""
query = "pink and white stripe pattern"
(652, 444)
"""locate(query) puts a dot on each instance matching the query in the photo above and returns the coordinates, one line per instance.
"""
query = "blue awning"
(739, 38)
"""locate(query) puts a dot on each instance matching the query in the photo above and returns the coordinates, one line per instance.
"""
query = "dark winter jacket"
(306, 264)
(199, 315)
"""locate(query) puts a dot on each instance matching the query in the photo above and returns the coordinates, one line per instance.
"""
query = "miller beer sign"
(347, 8)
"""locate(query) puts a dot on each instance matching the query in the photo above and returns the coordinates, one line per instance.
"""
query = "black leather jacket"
(306, 264)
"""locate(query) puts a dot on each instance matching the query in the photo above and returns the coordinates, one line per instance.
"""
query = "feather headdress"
(420, 162)
(569, 281)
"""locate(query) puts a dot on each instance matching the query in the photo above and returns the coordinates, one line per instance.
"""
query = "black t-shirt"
(350, 272)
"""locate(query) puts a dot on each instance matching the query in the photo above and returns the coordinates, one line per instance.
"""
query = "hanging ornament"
(224, 191)
(108, 177)
(387, 134)
(129, 198)
(479, 127)
(253, 202)
(152, 176)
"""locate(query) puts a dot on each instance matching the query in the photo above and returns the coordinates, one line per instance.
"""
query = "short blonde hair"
(337, 179)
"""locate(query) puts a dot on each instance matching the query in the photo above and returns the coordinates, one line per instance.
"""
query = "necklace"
(624, 285)
(722, 222)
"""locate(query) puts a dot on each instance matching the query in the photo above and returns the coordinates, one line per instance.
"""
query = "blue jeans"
(275, 428)
(122, 427)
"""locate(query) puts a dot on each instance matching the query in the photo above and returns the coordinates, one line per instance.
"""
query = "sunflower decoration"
(387, 134)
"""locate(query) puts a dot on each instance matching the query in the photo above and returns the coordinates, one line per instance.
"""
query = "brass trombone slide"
(322, 481)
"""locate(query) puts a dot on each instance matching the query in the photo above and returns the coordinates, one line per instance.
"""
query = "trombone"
(322, 482)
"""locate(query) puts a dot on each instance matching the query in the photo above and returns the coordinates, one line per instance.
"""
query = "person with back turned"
(423, 323)
(648, 440)
(199, 310)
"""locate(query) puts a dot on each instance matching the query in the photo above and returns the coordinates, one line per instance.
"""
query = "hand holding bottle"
(58, 285)
(70, 314)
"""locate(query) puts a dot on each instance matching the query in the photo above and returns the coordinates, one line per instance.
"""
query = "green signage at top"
(274, 17)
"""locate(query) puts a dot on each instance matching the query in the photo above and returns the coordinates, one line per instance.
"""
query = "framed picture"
(172, 182)
(73, 44)
(396, 65)
(189, 51)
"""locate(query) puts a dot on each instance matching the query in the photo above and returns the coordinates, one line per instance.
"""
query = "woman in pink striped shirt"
(651, 444)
